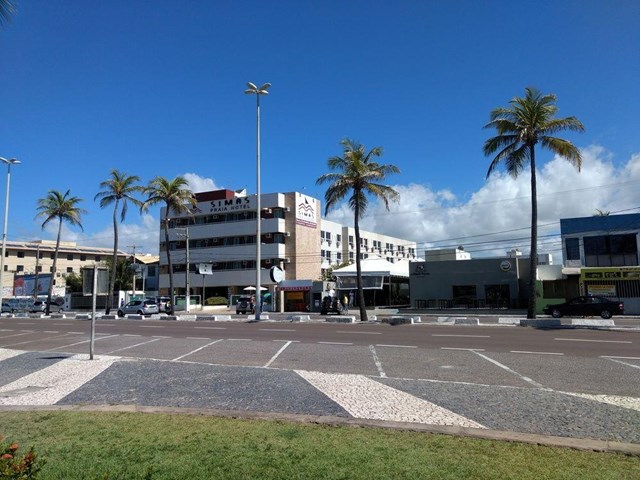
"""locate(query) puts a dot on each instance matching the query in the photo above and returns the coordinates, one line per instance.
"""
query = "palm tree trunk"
(114, 260)
(170, 265)
(533, 257)
(356, 227)
(53, 270)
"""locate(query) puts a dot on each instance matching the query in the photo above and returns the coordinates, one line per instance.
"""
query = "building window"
(69, 269)
(339, 257)
(573, 248)
(51, 269)
(610, 250)
(52, 255)
(69, 256)
(83, 258)
(39, 268)
(20, 254)
(151, 271)
(20, 268)
(6, 268)
(351, 256)
(98, 258)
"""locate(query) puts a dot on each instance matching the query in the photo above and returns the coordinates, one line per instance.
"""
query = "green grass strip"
(129, 446)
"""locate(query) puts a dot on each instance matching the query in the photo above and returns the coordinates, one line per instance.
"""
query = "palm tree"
(65, 209)
(530, 120)
(177, 199)
(117, 190)
(357, 175)
(7, 9)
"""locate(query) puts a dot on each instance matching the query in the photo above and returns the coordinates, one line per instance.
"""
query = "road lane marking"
(396, 346)
(211, 328)
(53, 383)
(624, 363)
(465, 349)
(25, 323)
(617, 400)
(589, 340)
(132, 346)
(240, 339)
(336, 343)
(59, 324)
(50, 331)
(107, 324)
(454, 335)
(198, 338)
(196, 350)
(362, 333)
(504, 367)
(536, 353)
(292, 341)
(377, 361)
(277, 354)
(131, 335)
(159, 336)
(363, 397)
(277, 330)
(151, 326)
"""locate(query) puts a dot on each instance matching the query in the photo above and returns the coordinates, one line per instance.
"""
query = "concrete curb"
(486, 434)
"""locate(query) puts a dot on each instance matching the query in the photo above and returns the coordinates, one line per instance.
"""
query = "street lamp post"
(13, 161)
(257, 91)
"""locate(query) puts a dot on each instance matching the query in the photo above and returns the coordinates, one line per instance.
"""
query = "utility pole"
(35, 287)
(133, 285)
(187, 272)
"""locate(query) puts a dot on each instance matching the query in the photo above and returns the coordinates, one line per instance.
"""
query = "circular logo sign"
(505, 265)
(277, 275)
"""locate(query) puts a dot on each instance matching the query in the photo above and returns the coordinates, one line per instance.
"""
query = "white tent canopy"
(374, 271)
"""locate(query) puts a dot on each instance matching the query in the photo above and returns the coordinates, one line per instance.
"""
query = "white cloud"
(501, 209)
(200, 184)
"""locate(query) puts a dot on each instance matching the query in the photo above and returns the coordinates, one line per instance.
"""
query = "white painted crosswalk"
(366, 398)
(51, 384)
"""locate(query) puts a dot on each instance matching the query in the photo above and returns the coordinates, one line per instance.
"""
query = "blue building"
(602, 251)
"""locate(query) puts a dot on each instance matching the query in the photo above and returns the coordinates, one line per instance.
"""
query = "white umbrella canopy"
(253, 289)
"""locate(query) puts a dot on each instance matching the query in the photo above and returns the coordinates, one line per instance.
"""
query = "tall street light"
(13, 161)
(257, 91)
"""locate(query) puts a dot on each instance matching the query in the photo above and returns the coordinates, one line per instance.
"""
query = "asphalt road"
(582, 383)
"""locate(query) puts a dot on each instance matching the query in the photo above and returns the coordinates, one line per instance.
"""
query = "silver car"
(139, 307)
(40, 306)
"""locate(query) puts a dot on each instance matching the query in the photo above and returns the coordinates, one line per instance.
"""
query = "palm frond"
(565, 149)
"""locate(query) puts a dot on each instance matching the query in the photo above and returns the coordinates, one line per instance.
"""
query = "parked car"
(245, 305)
(6, 308)
(139, 307)
(163, 303)
(587, 306)
(40, 306)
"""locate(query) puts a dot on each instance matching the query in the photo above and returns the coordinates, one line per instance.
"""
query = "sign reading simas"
(231, 204)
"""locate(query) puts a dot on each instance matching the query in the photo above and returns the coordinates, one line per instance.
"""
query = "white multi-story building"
(221, 231)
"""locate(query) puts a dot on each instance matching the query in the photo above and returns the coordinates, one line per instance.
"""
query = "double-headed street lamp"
(10, 162)
(257, 91)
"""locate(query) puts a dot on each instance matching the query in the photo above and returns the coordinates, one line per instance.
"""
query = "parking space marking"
(132, 346)
(16, 335)
(536, 353)
(621, 358)
(198, 338)
(504, 367)
(32, 341)
(396, 346)
(590, 340)
(277, 354)
(454, 335)
(50, 331)
(131, 335)
(624, 363)
(84, 341)
(336, 343)
(377, 361)
(291, 341)
(196, 350)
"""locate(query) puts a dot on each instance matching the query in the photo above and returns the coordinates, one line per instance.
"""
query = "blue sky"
(156, 88)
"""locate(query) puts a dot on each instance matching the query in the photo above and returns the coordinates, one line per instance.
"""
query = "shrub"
(216, 301)
(14, 467)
